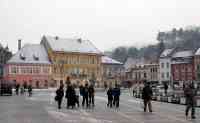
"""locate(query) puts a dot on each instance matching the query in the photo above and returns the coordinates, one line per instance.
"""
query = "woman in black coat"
(71, 96)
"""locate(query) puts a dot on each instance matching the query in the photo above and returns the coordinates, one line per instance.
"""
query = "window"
(145, 75)
(167, 65)
(14, 69)
(46, 70)
(163, 75)
(162, 65)
(167, 74)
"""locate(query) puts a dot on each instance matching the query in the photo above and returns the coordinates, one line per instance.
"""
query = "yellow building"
(75, 58)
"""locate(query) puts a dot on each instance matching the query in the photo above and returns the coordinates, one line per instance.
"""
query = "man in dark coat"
(116, 94)
(190, 94)
(147, 96)
(17, 89)
(91, 95)
(59, 96)
(85, 95)
(71, 96)
(166, 88)
(30, 89)
(110, 97)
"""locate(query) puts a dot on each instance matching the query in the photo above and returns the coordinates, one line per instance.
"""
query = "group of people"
(72, 95)
(113, 96)
(87, 92)
(23, 88)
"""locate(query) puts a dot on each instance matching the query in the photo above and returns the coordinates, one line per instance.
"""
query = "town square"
(98, 61)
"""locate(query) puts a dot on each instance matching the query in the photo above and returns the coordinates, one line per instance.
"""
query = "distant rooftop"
(197, 52)
(166, 53)
(108, 60)
(186, 53)
(71, 45)
(31, 53)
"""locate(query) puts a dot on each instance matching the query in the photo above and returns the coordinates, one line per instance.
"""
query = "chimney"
(19, 44)
(56, 37)
(79, 40)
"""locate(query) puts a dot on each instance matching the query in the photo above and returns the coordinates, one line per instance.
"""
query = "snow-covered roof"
(186, 53)
(166, 52)
(197, 52)
(31, 53)
(131, 62)
(108, 60)
(71, 45)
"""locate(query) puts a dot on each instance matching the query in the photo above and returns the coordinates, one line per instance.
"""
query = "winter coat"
(110, 95)
(71, 96)
(190, 94)
(116, 92)
(59, 94)
(91, 91)
(85, 91)
(147, 93)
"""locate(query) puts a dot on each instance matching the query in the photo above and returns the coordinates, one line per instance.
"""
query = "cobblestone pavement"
(41, 108)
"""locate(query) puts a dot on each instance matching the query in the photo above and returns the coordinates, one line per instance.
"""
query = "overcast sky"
(107, 23)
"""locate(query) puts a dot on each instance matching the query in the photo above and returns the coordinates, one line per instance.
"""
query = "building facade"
(183, 67)
(75, 58)
(139, 73)
(197, 65)
(112, 71)
(30, 65)
(165, 66)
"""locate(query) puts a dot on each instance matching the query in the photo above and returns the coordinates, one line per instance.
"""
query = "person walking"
(30, 89)
(165, 88)
(59, 96)
(70, 95)
(22, 90)
(77, 96)
(17, 89)
(147, 96)
(116, 94)
(91, 95)
(190, 94)
(85, 96)
(110, 97)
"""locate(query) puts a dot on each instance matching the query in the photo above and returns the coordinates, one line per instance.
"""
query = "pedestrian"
(190, 94)
(110, 97)
(91, 95)
(116, 94)
(85, 96)
(77, 96)
(21, 90)
(147, 96)
(30, 90)
(165, 88)
(59, 96)
(17, 89)
(70, 95)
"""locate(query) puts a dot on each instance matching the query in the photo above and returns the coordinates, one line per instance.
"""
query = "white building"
(165, 66)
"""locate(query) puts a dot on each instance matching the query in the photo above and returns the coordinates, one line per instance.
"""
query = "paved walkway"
(41, 108)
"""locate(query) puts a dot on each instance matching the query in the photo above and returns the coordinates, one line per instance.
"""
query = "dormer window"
(22, 56)
(79, 40)
(36, 57)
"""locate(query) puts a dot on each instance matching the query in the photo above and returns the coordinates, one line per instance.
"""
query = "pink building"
(30, 65)
(182, 67)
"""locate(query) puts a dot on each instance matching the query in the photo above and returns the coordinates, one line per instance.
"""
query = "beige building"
(112, 71)
(75, 58)
(141, 72)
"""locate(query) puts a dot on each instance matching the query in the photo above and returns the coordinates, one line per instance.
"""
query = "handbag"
(56, 98)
